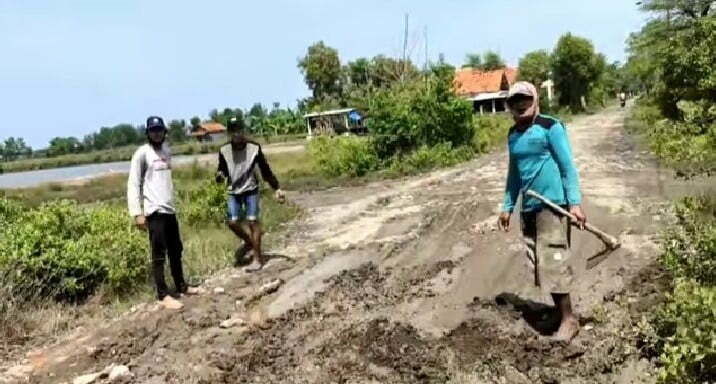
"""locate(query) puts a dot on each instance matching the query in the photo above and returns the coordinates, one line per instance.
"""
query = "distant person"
(237, 167)
(150, 196)
(540, 159)
(622, 98)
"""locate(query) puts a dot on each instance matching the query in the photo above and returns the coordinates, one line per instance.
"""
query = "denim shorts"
(243, 207)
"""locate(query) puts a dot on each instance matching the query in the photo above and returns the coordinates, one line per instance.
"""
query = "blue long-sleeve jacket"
(541, 160)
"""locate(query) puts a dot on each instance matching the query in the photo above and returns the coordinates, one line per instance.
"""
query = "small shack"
(210, 132)
(335, 122)
(487, 90)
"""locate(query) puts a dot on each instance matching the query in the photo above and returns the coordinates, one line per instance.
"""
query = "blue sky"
(72, 66)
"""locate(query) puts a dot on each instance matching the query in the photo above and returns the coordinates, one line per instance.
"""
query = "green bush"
(10, 211)
(344, 156)
(687, 325)
(205, 204)
(490, 131)
(688, 144)
(682, 332)
(427, 158)
(690, 246)
(423, 112)
(647, 113)
(65, 251)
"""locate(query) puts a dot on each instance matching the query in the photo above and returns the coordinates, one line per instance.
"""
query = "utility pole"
(405, 50)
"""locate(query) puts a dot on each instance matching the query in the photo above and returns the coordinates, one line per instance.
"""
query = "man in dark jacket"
(237, 166)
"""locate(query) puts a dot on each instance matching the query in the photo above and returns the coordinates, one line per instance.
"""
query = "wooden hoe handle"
(610, 241)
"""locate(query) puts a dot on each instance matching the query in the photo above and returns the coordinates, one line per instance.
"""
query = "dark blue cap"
(155, 122)
(235, 125)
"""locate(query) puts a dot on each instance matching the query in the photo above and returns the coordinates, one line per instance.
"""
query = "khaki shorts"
(547, 236)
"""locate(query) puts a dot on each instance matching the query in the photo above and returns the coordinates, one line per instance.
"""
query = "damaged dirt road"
(406, 281)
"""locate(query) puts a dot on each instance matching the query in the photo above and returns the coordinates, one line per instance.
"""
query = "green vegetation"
(690, 246)
(349, 156)
(578, 71)
(488, 61)
(426, 158)
(63, 251)
(124, 154)
(576, 68)
(117, 143)
(55, 252)
(414, 126)
(13, 148)
(422, 112)
(534, 67)
(672, 61)
(682, 331)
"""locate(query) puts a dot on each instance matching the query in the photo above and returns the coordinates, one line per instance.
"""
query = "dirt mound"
(381, 289)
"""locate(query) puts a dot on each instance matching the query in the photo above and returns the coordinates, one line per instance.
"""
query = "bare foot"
(253, 267)
(567, 330)
(191, 291)
(240, 256)
(169, 302)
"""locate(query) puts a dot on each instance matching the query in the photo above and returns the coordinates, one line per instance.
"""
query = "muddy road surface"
(407, 281)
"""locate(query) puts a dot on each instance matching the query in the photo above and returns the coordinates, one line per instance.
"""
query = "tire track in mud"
(396, 281)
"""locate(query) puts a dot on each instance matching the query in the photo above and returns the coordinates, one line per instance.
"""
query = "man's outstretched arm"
(266, 172)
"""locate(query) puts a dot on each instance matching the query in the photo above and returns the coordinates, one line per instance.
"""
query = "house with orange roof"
(487, 90)
(210, 131)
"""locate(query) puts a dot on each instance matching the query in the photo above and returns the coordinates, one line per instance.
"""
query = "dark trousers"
(165, 239)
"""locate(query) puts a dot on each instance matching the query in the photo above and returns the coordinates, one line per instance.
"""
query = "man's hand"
(219, 177)
(576, 210)
(141, 222)
(280, 196)
(503, 222)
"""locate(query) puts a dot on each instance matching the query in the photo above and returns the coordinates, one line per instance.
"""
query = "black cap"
(234, 125)
(154, 122)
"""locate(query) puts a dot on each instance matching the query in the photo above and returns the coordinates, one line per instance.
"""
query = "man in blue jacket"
(540, 159)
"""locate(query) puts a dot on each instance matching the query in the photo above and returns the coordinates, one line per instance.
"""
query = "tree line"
(257, 119)
(577, 70)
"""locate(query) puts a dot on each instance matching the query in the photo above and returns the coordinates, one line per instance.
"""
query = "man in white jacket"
(150, 197)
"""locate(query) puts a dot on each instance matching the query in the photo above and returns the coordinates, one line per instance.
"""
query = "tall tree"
(534, 67)
(488, 61)
(492, 60)
(195, 122)
(473, 60)
(177, 131)
(691, 9)
(358, 71)
(14, 148)
(321, 69)
(256, 118)
(385, 71)
(575, 69)
(687, 69)
(63, 145)
(214, 115)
